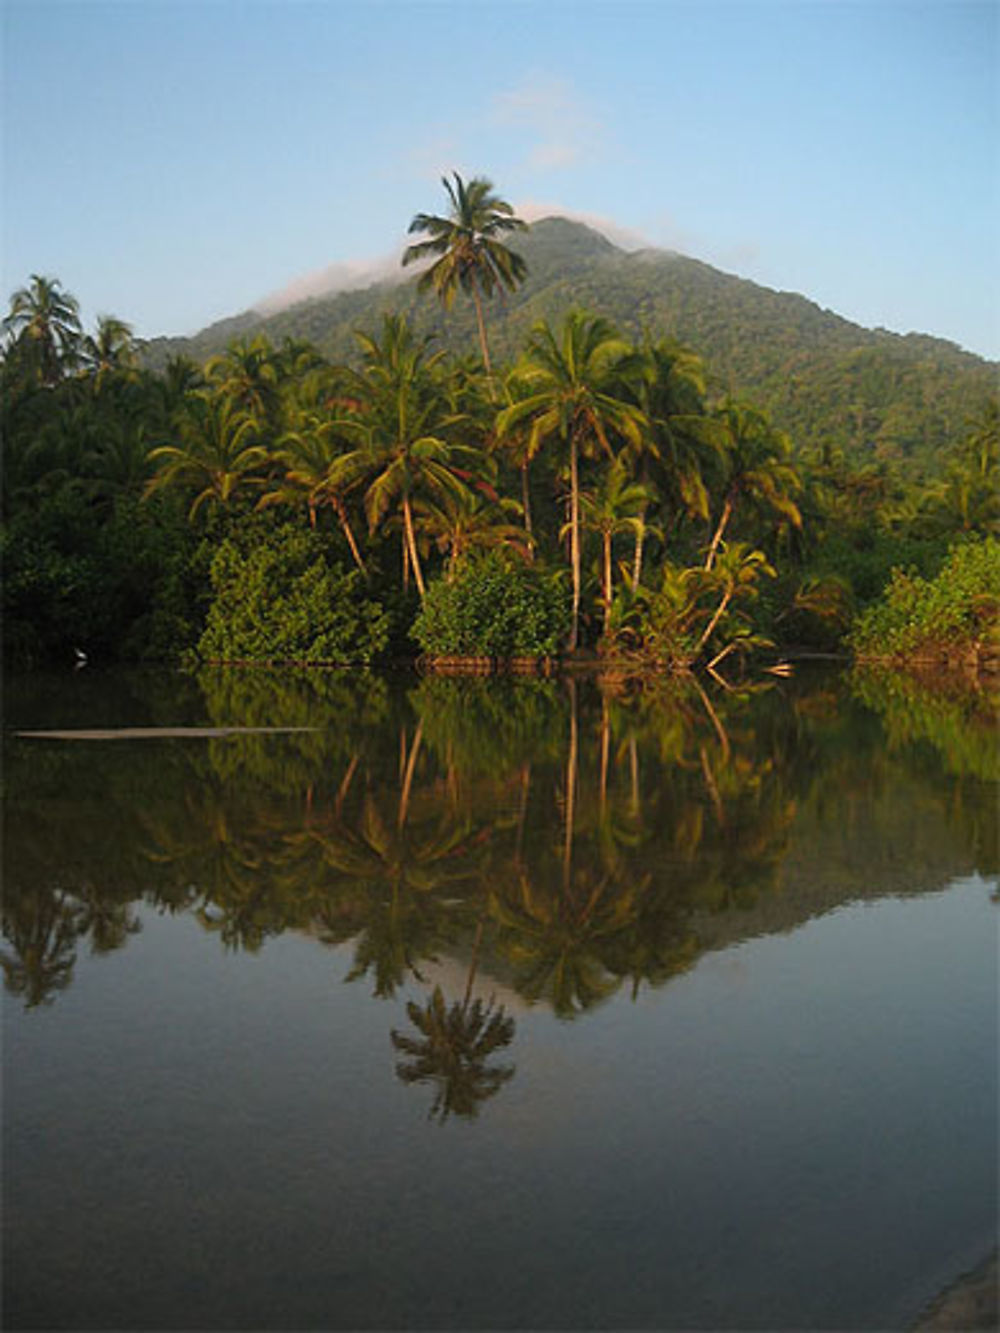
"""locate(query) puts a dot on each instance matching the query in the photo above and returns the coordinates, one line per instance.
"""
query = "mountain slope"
(825, 380)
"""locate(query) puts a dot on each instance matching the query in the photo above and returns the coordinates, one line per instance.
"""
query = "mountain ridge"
(824, 378)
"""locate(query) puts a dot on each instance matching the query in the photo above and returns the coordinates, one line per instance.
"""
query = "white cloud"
(349, 275)
(563, 130)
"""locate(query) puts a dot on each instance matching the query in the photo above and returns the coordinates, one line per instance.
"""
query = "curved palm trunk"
(411, 544)
(526, 504)
(727, 513)
(345, 527)
(719, 611)
(574, 538)
(640, 538)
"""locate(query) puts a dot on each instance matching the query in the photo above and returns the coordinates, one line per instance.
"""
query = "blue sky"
(174, 161)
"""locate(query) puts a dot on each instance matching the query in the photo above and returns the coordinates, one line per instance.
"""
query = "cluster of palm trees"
(586, 436)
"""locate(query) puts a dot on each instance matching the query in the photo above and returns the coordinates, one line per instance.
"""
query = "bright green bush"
(917, 618)
(495, 606)
(280, 597)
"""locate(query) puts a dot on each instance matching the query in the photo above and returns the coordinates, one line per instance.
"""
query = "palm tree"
(670, 392)
(452, 1049)
(467, 248)
(576, 398)
(617, 505)
(468, 520)
(310, 457)
(756, 464)
(44, 326)
(111, 347)
(247, 374)
(402, 420)
(736, 576)
(218, 454)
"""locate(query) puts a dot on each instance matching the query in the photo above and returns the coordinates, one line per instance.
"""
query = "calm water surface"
(484, 1005)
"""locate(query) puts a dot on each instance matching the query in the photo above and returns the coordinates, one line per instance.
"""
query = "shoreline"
(967, 1305)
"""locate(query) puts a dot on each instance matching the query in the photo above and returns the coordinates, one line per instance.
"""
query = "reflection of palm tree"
(43, 928)
(391, 879)
(454, 1045)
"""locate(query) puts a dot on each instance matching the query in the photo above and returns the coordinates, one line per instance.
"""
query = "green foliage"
(279, 597)
(942, 618)
(959, 722)
(493, 607)
(821, 378)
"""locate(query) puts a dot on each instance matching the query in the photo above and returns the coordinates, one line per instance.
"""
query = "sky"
(173, 162)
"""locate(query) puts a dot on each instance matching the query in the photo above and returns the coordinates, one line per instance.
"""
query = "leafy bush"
(278, 596)
(918, 618)
(495, 606)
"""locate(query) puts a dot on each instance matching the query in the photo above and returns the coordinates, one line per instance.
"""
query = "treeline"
(590, 493)
(824, 380)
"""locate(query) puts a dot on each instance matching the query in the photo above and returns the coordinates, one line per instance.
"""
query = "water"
(484, 1005)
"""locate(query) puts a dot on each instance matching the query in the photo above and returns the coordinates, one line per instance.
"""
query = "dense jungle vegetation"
(590, 487)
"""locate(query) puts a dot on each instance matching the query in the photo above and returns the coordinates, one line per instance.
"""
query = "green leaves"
(277, 597)
(494, 607)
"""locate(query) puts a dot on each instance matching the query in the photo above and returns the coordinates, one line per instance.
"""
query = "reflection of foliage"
(43, 929)
(489, 725)
(959, 722)
(557, 940)
(399, 888)
(454, 1045)
(337, 710)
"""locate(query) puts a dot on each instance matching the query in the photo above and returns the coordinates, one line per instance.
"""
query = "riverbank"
(967, 1305)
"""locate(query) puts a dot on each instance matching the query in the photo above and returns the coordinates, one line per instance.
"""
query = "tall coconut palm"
(576, 397)
(44, 327)
(402, 420)
(466, 246)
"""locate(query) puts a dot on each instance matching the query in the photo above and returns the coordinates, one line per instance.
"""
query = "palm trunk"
(605, 755)
(526, 503)
(719, 612)
(411, 768)
(607, 580)
(478, 300)
(411, 543)
(349, 534)
(640, 537)
(574, 539)
(570, 812)
(727, 513)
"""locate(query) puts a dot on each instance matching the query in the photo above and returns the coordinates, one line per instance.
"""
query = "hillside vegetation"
(827, 382)
(565, 481)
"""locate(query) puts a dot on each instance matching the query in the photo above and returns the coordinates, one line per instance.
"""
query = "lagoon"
(353, 1001)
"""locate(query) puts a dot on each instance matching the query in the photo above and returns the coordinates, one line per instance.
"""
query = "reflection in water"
(807, 1120)
(578, 836)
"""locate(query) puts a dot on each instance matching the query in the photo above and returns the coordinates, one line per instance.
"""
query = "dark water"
(484, 1005)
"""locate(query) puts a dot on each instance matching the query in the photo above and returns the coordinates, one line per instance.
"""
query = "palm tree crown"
(467, 249)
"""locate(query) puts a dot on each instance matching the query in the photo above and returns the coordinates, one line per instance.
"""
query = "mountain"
(824, 379)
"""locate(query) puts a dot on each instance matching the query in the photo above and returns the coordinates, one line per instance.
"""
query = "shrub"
(278, 596)
(918, 618)
(494, 606)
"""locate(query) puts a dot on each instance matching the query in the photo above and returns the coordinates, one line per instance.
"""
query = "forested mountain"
(830, 383)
